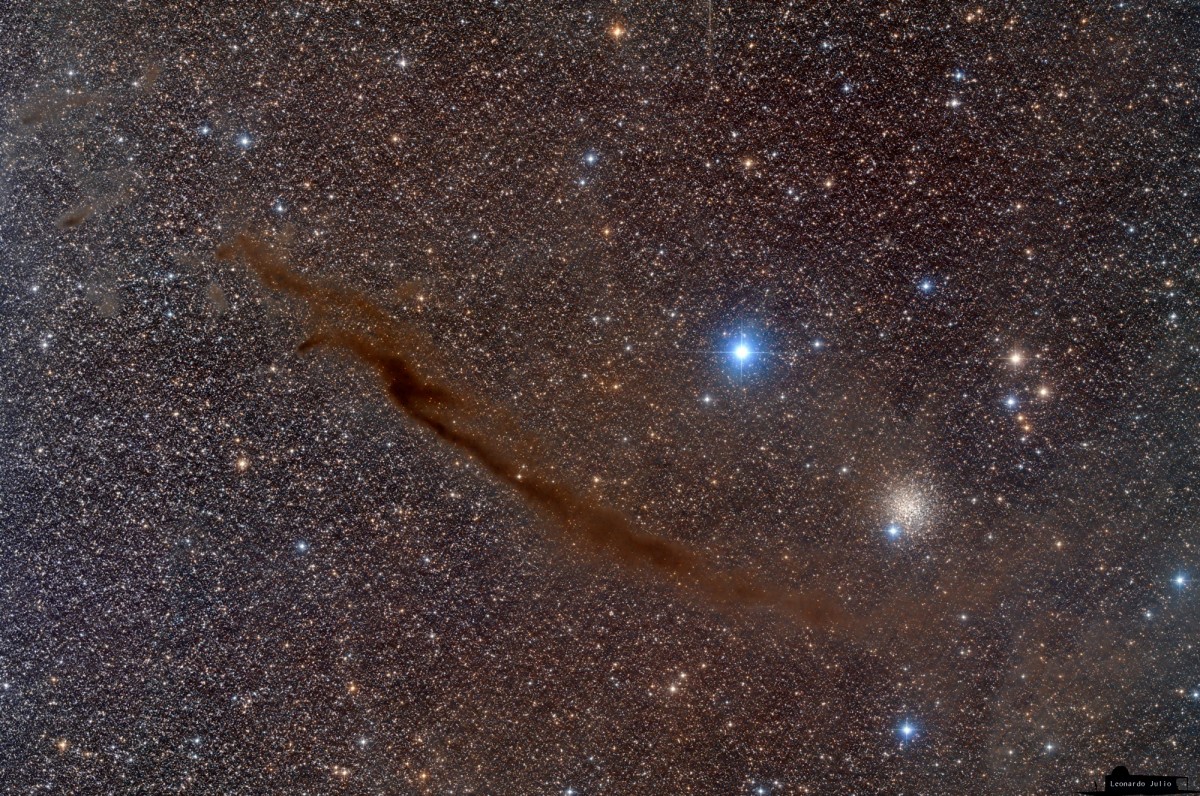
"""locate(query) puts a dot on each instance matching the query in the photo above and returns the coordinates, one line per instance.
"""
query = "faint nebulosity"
(869, 327)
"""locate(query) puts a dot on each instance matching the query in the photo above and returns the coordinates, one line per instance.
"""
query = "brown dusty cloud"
(52, 106)
(354, 324)
(76, 216)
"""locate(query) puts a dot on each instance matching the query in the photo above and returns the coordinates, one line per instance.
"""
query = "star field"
(891, 306)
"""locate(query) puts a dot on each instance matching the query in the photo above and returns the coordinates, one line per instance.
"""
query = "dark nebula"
(354, 324)
(73, 218)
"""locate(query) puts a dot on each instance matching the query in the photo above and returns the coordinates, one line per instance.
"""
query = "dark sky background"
(954, 244)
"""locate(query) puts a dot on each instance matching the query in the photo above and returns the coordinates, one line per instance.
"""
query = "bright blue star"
(1180, 580)
(744, 352)
(907, 730)
(893, 530)
(1012, 402)
(927, 286)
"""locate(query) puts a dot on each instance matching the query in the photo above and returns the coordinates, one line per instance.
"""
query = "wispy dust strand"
(352, 323)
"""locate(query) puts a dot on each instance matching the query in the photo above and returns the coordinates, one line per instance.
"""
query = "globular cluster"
(886, 307)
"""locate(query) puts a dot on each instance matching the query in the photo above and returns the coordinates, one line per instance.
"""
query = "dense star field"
(831, 374)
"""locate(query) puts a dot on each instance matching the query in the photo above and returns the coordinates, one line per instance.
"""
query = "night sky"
(708, 398)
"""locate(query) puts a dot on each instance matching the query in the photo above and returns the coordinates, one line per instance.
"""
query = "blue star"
(927, 286)
(742, 352)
